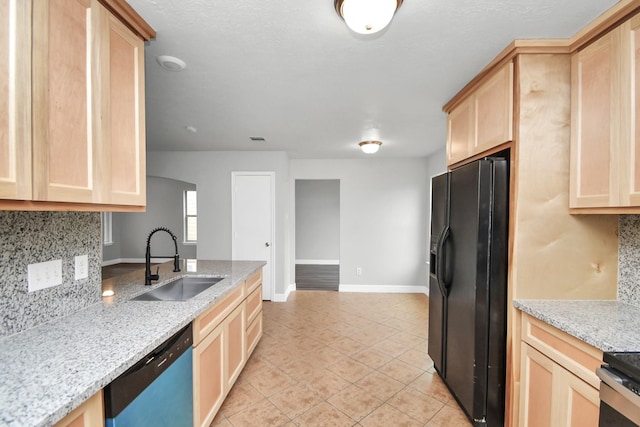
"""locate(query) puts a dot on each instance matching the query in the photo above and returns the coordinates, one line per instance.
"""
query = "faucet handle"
(157, 275)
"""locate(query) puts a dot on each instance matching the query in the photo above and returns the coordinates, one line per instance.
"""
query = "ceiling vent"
(257, 139)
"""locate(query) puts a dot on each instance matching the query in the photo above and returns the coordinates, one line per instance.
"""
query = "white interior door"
(252, 224)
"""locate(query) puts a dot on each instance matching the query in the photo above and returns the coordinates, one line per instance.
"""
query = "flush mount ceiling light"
(367, 16)
(171, 63)
(370, 147)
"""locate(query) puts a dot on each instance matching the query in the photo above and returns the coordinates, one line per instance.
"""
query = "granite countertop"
(47, 371)
(606, 325)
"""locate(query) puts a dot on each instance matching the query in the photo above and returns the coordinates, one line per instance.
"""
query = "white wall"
(317, 219)
(165, 208)
(211, 172)
(383, 223)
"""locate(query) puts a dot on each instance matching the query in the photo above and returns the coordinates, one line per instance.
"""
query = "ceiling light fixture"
(370, 147)
(171, 63)
(367, 16)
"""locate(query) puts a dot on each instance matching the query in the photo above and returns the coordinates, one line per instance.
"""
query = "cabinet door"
(235, 344)
(15, 100)
(254, 333)
(552, 396)
(63, 105)
(494, 110)
(630, 98)
(536, 383)
(578, 403)
(461, 131)
(124, 132)
(89, 414)
(594, 126)
(208, 377)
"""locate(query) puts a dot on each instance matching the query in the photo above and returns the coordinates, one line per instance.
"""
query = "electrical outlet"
(82, 267)
(44, 275)
(359, 271)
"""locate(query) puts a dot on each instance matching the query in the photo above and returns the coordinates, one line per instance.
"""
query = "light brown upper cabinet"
(15, 99)
(484, 119)
(86, 145)
(605, 156)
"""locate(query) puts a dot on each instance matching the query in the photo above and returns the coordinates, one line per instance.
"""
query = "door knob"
(267, 244)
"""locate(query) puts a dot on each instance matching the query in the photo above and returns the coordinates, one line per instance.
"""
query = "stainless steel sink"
(180, 289)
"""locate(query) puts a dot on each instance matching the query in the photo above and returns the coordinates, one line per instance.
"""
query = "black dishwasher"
(158, 390)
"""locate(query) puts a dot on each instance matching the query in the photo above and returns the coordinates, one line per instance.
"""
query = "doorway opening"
(317, 253)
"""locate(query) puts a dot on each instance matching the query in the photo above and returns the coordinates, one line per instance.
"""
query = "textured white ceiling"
(292, 72)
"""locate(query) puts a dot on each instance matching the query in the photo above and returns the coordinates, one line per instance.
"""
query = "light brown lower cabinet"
(234, 336)
(224, 338)
(89, 414)
(558, 384)
(553, 396)
(208, 377)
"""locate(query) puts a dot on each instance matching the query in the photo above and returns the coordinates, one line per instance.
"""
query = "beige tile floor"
(342, 359)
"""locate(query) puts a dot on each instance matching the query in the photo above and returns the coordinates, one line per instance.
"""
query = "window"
(190, 216)
(107, 224)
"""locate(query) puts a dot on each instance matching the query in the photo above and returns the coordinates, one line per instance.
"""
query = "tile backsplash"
(33, 237)
(629, 260)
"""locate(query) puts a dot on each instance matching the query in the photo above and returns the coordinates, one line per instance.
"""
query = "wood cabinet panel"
(62, 109)
(210, 319)
(631, 106)
(592, 127)
(223, 341)
(461, 131)
(605, 156)
(560, 368)
(553, 396)
(72, 124)
(208, 377)
(484, 119)
(254, 304)
(537, 382)
(15, 100)
(126, 131)
(254, 333)
(494, 110)
(583, 402)
(235, 344)
(573, 354)
(88, 414)
(253, 281)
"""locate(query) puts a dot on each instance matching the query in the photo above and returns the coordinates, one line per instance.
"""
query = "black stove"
(627, 364)
(620, 390)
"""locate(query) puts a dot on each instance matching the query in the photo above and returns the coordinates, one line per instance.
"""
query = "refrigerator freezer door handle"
(441, 263)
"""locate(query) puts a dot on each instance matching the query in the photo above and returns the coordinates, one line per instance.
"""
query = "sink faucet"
(148, 277)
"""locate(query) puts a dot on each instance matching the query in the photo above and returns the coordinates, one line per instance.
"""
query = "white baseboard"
(385, 289)
(283, 297)
(318, 261)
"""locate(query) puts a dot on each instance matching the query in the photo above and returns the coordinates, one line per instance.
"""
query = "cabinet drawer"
(254, 333)
(254, 304)
(575, 355)
(211, 318)
(253, 281)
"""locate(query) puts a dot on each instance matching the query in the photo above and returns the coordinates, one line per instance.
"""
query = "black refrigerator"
(468, 285)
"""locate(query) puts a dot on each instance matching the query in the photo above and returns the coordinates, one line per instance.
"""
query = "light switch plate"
(44, 275)
(81, 267)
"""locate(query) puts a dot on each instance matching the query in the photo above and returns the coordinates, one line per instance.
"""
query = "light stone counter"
(47, 371)
(606, 325)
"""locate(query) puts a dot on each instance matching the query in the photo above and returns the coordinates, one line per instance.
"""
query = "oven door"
(619, 406)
